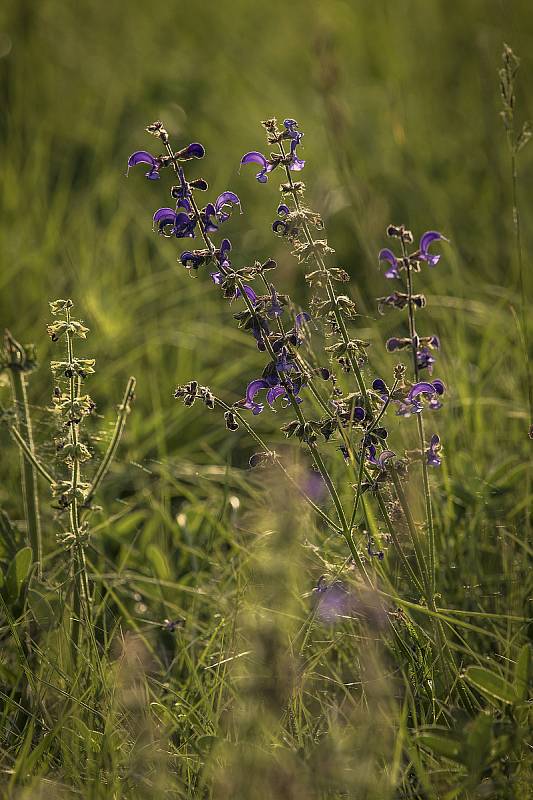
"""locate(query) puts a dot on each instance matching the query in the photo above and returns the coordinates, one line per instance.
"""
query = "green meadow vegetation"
(174, 640)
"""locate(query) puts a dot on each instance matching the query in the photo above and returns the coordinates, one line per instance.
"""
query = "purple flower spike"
(425, 240)
(433, 458)
(388, 255)
(143, 157)
(258, 158)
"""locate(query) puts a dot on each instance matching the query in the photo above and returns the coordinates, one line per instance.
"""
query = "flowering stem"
(82, 595)
(29, 478)
(332, 297)
(420, 426)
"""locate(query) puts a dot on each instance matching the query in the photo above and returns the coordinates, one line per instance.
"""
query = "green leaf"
(444, 743)
(491, 684)
(158, 562)
(17, 573)
(522, 675)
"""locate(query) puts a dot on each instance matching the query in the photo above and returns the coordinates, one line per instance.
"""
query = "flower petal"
(226, 198)
(141, 157)
(387, 255)
(254, 387)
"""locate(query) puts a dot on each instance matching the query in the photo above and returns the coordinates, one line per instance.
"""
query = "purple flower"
(380, 461)
(252, 389)
(432, 453)
(171, 223)
(425, 241)
(143, 157)
(388, 255)
(226, 199)
(412, 403)
(258, 158)
(273, 392)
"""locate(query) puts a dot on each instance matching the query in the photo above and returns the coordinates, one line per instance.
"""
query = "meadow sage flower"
(143, 157)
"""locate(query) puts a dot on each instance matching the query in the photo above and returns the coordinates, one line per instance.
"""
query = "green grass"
(252, 695)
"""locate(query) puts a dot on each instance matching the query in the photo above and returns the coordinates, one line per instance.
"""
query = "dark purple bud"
(194, 150)
(199, 184)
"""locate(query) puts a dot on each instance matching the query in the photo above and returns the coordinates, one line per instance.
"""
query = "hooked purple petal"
(141, 157)
(425, 241)
(440, 388)
(274, 393)
(387, 255)
(421, 388)
(254, 157)
(254, 387)
(283, 210)
(144, 157)
(166, 214)
(226, 198)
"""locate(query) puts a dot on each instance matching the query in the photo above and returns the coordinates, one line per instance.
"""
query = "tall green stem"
(82, 593)
(24, 427)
